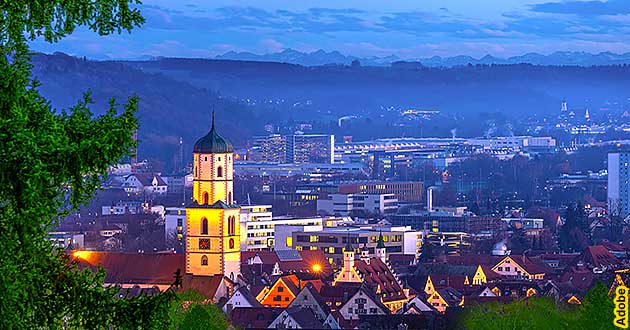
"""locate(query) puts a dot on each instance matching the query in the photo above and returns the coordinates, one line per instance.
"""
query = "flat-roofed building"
(257, 226)
(357, 204)
(332, 240)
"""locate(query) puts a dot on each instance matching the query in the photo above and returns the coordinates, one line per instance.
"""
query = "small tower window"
(204, 226)
(220, 171)
(231, 225)
(229, 197)
(204, 261)
(219, 158)
(205, 198)
(195, 171)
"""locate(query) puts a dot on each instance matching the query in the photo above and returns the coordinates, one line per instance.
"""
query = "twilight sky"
(406, 28)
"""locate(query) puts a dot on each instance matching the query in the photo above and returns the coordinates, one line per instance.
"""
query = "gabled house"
(516, 288)
(520, 267)
(375, 272)
(441, 281)
(148, 183)
(296, 318)
(253, 317)
(483, 275)
(310, 298)
(240, 299)
(257, 265)
(281, 293)
(598, 259)
(363, 302)
(335, 296)
(331, 322)
(417, 305)
(442, 299)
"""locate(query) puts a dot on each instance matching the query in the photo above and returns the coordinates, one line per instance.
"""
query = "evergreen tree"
(52, 162)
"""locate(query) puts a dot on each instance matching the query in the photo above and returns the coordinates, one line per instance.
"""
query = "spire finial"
(212, 117)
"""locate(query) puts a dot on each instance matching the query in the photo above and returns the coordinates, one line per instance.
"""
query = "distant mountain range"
(321, 57)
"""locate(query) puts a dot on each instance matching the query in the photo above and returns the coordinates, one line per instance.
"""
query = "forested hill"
(515, 89)
(168, 108)
(177, 95)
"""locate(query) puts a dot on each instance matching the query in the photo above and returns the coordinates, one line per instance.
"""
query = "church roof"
(213, 143)
(217, 205)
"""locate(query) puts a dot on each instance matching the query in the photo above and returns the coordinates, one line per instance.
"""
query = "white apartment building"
(357, 204)
(619, 184)
(258, 223)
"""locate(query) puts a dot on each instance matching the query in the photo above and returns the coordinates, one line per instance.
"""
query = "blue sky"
(408, 29)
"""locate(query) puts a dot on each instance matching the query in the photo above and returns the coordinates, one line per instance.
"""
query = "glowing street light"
(317, 268)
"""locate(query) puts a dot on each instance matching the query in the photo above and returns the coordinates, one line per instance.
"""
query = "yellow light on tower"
(317, 268)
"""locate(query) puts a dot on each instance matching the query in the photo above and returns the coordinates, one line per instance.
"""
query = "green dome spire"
(213, 143)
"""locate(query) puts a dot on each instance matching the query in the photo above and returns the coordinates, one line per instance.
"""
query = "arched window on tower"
(195, 171)
(205, 198)
(219, 172)
(231, 225)
(229, 200)
(204, 261)
(204, 226)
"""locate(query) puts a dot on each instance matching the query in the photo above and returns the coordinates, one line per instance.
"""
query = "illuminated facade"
(212, 220)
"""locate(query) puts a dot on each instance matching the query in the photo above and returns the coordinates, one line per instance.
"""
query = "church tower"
(381, 251)
(212, 219)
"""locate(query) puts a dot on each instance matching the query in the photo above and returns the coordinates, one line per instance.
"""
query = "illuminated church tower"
(212, 219)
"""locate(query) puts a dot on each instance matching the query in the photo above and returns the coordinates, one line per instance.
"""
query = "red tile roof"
(473, 260)
(253, 317)
(581, 280)
(531, 266)
(270, 258)
(442, 281)
(378, 274)
(597, 256)
(205, 285)
(134, 268)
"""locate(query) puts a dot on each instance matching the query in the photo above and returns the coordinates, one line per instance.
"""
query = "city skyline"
(404, 29)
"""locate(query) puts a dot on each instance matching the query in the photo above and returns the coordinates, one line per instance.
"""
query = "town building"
(257, 227)
(358, 204)
(145, 183)
(271, 148)
(175, 223)
(619, 184)
(311, 148)
(332, 240)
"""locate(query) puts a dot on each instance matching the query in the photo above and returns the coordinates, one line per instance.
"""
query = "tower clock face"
(231, 243)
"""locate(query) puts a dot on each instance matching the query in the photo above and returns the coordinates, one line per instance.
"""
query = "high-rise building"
(618, 184)
(310, 148)
(272, 148)
(212, 220)
(296, 149)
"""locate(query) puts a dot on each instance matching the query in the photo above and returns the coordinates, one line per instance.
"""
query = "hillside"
(515, 89)
(168, 108)
(177, 95)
